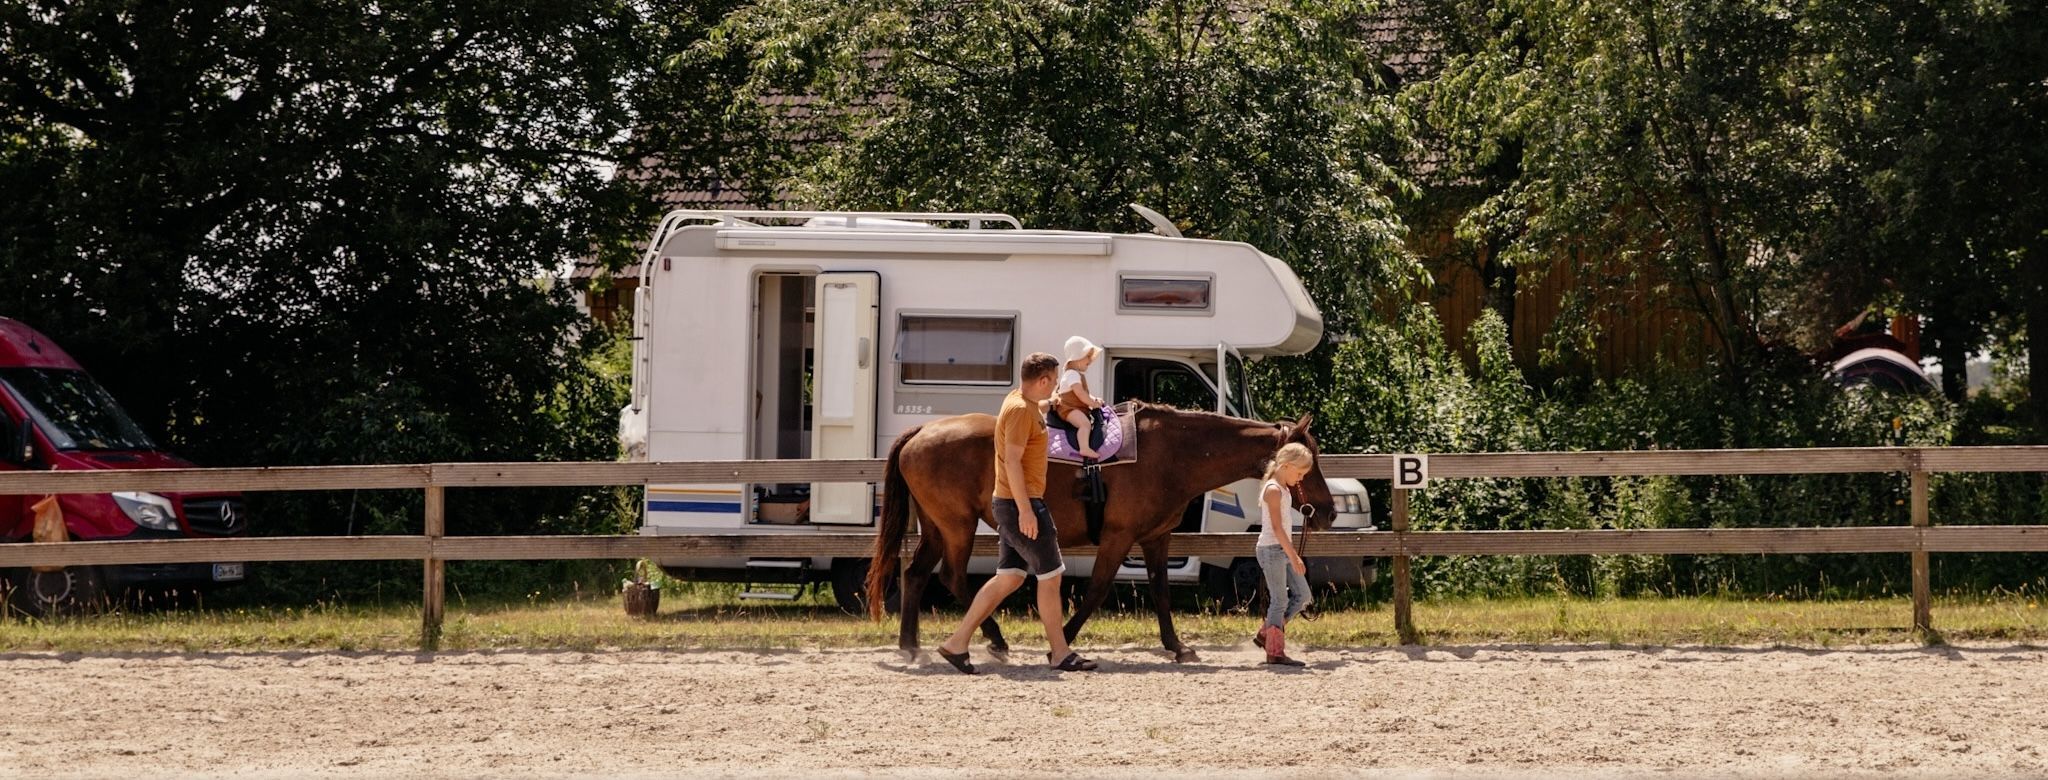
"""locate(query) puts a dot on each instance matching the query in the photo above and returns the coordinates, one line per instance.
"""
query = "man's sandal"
(1073, 663)
(958, 660)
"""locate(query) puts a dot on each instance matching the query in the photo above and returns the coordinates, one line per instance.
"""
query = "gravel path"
(1438, 712)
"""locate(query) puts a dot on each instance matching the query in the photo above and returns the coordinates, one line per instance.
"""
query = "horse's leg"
(912, 597)
(957, 552)
(1162, 600)
(1109, 557)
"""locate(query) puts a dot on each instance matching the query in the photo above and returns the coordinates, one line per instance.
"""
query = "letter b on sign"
(1411, 471)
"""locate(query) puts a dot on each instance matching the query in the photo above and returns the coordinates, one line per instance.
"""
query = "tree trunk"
(2034, 270)
(1952, 351)
(1499, 279)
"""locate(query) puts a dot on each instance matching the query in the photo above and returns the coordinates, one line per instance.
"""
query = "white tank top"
(1288, 511)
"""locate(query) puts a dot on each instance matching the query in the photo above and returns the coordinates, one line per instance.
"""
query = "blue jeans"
(1287, 592)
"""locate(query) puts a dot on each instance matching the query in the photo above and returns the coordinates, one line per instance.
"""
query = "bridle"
(1308, 511)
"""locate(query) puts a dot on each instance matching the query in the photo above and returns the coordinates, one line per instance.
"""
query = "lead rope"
(1308, 511)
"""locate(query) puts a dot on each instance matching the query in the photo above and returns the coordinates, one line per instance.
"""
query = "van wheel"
(67, 591)
(1242, 585)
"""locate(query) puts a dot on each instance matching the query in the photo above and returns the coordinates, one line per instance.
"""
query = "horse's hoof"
(1185, 656)
(999, 652)
(909, 654)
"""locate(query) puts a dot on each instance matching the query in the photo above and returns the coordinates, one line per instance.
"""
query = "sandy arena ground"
(1438, 712)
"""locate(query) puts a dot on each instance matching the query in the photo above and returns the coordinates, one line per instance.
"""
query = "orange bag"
(50, 526)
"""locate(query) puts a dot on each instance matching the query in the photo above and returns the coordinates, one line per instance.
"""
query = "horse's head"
(1313, 495)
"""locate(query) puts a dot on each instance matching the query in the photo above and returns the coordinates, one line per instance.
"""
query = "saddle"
(1114, 438)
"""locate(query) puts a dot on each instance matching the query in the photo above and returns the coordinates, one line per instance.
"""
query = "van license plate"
(227, 572)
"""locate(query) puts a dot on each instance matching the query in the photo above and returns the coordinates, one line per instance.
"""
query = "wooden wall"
(1638, 318)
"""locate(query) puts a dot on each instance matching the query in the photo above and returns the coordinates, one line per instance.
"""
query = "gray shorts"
(1018, 555)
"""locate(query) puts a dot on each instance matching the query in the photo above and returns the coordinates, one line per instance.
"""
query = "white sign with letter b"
(1411, 471)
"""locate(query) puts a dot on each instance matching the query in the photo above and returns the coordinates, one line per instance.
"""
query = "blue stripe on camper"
(1216, 504)
(693, 506)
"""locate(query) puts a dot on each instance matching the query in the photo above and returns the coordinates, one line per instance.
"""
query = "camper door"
(1232, 385)
(843, 374)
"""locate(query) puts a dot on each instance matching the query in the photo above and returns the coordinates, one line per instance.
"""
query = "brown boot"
(1276, 648)
(1260, 638)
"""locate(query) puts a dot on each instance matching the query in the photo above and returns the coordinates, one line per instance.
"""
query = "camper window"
(955, 349)
(1165, 294)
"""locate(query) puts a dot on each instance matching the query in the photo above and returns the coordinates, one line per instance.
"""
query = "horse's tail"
(896, 502)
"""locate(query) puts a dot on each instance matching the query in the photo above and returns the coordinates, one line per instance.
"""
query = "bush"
(1397, 387)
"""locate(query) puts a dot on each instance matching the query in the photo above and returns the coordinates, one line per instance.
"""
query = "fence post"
(430, 608)
(1404, 608)
(1923, 606)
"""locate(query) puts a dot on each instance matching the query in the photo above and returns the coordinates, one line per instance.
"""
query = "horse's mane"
(1138, 406)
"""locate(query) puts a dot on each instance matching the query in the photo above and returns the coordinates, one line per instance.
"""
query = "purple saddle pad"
(1060, 442)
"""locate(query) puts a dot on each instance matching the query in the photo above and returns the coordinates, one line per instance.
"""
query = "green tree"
(1262, 122)
(1938, 116)
(306, 232)
(1464, 102)
(1667, 135)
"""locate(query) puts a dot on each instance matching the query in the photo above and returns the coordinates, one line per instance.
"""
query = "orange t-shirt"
(1019, 423)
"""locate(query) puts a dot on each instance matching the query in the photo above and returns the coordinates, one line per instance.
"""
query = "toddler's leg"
(1084, 431)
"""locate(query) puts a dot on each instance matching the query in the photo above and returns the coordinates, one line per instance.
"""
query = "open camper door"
(844, 372)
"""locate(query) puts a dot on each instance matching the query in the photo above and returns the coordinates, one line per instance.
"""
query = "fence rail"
(433, 547)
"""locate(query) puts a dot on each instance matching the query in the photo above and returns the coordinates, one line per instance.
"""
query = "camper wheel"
(1241, 584)
(849, 589)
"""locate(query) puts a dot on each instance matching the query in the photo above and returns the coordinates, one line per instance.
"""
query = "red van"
(54, 416)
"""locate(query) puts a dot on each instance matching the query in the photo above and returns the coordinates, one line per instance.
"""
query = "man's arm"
(1013, 467)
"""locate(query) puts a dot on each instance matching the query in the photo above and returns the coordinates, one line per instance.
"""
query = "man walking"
(1028, 542)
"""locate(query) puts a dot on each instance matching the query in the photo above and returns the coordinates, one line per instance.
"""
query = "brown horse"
(946, 471)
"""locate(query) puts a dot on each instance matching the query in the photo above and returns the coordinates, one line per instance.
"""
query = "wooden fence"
(434, 547)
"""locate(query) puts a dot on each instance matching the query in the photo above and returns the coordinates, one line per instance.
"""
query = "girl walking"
(1286, 574)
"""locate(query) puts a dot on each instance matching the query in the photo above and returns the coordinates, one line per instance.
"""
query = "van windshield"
(73, 410)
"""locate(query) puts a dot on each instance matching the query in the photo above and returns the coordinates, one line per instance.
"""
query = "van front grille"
(217, 516)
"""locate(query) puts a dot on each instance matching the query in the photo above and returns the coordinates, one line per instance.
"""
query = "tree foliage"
(1261, 122)
(1936, 120)
(306, 232)
(1670, 136)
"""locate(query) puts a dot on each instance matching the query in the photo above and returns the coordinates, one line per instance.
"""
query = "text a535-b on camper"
(766, 335)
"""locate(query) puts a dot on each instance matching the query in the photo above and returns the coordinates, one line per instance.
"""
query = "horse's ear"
(1302, 424)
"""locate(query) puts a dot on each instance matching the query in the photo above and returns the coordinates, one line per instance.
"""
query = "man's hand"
(1027, 522)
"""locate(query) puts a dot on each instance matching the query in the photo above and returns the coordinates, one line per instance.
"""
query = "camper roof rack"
(745, 218)
(674, 221)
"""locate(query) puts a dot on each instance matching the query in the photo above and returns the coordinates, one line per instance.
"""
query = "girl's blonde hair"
(1292, 454)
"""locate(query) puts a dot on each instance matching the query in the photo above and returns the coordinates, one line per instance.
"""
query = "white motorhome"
(788, 334)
